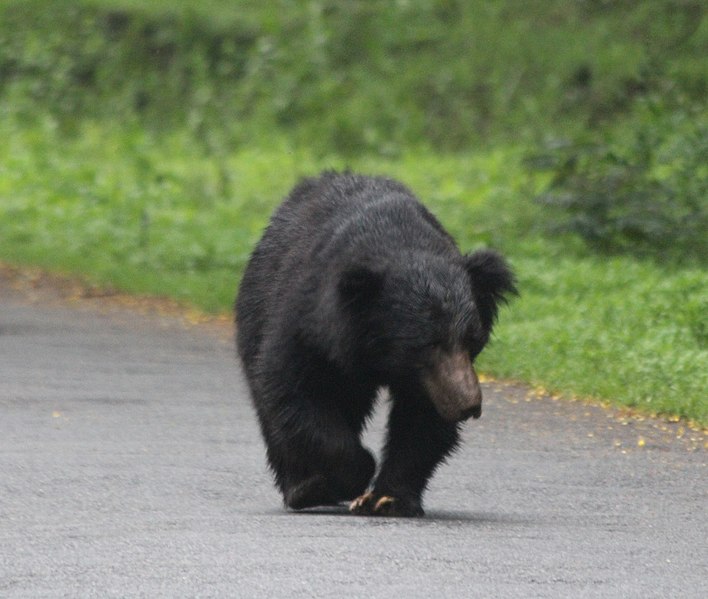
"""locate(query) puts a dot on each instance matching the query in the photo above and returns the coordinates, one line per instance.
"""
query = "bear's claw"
(362, 504)
(371, 504)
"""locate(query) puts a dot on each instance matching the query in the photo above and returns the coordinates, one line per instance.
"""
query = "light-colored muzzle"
(453, 386)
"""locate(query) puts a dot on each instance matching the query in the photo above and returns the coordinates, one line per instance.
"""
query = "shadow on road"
(431, 517)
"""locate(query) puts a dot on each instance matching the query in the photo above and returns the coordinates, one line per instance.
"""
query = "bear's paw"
(375, 504)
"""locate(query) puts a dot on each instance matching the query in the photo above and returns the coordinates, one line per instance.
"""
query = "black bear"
(354, 286)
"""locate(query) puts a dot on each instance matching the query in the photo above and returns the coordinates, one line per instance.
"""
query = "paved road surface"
(131, 466)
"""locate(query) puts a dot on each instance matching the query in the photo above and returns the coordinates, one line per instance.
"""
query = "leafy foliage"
(349, 77)
(645, 192)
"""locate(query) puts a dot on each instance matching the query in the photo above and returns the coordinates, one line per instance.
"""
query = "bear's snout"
(453, 386)
(473, 412)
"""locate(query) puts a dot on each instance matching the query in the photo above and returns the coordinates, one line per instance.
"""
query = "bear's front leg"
(418, 440)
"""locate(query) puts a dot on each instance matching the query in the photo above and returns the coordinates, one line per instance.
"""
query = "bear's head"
(419, 324)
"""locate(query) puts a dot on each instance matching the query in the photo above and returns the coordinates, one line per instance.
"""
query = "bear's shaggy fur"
(354, 286)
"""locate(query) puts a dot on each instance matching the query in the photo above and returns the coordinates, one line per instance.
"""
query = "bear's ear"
(492, 283)
(359, 283)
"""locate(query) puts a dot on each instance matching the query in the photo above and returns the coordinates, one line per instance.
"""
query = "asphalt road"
(131, 466)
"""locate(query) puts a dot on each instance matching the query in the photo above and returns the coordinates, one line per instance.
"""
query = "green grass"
(616, 329)
(145, 150)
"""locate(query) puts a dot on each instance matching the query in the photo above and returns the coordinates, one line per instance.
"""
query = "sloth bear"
(354, 286)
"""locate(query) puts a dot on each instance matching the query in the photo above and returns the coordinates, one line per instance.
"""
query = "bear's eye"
(424, 354)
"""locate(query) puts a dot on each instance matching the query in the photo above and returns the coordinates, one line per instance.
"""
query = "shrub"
(348, 77)
(644, 192)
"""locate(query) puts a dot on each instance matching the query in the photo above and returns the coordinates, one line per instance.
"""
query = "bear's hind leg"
(311, 492)
(320, 464)
(312, 429)
(330, 484)
(329, 479)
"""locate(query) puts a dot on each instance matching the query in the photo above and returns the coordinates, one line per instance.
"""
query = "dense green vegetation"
(353, 77)
(144, 145)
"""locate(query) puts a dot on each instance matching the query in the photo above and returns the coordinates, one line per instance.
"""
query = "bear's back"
(325, 225)
(340, 216)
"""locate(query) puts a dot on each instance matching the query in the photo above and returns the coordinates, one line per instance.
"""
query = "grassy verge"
(162, 216)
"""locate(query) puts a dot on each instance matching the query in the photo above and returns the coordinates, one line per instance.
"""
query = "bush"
(349, 77)
(644, 193)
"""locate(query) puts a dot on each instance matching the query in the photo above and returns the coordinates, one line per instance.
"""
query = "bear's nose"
(453, 387)
(473, 412)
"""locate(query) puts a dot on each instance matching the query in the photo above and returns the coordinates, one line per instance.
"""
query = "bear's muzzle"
(453, 386)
